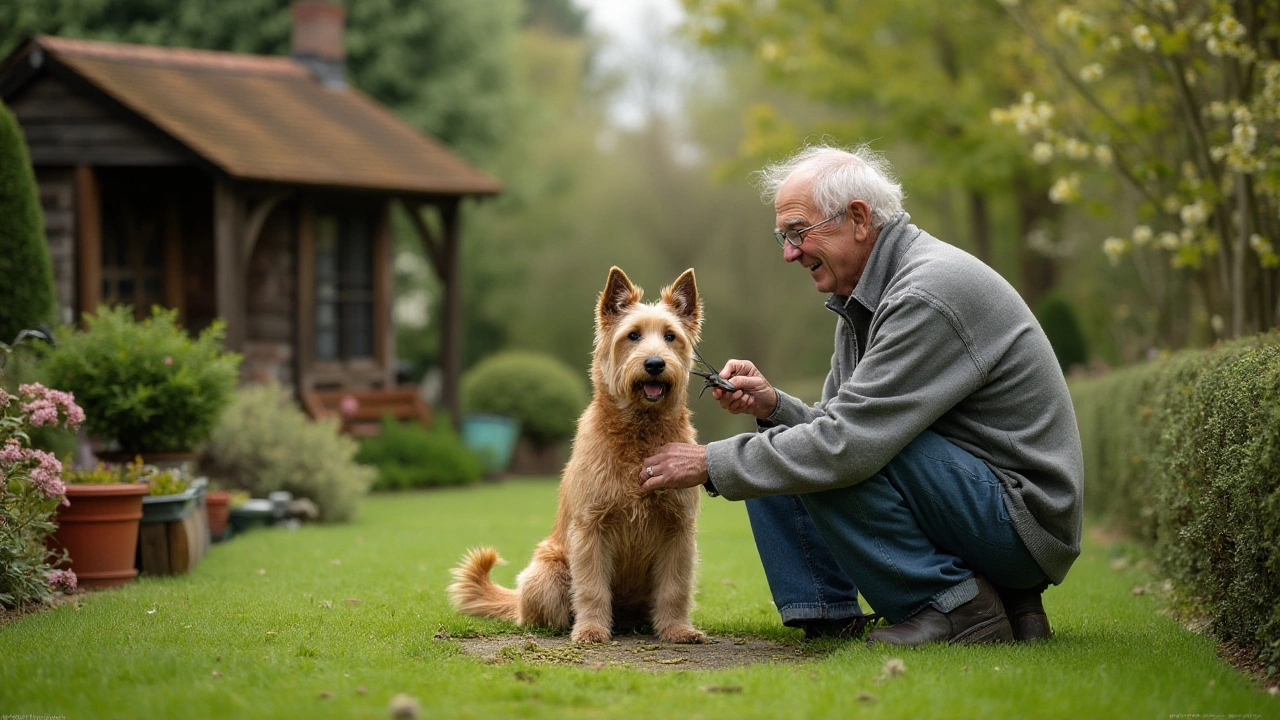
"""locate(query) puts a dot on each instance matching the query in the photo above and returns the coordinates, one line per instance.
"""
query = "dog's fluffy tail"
(475, 594)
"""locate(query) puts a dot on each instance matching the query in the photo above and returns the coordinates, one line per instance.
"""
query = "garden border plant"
(1185, 454)
(146, 385)
(31, 489)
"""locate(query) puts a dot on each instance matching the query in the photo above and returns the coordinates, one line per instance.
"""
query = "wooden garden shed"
(252, 188)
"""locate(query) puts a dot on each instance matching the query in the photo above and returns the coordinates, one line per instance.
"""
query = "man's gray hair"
(839, 176)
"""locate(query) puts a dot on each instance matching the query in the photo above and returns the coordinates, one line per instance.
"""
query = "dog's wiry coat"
(615, 559)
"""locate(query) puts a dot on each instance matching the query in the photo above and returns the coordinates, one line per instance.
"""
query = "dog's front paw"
(683, 635)
(590, 634)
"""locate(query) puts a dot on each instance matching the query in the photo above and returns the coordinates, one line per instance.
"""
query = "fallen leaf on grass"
(360, 690)
(867, 697)
(217, 674)
(404, 707)
(672, 661)
(262, 571)
(726, 689)
(893, 667)
(352, 601)
(325, 694)
(1139, 590)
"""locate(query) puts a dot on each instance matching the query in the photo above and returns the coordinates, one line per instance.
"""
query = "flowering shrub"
(1181, 102)
(31, 488)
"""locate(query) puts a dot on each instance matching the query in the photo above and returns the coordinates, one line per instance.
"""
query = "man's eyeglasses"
(796, 237)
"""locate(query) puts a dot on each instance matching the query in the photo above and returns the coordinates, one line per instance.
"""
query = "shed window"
(132, 257)
(344, 286)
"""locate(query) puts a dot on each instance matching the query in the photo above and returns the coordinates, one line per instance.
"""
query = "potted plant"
(218, 510)
(147, 387)
(98, 528)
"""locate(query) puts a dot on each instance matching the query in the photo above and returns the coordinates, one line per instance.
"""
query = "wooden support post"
(444, 251)
(451, 345)
(89, 239)
(229, 270)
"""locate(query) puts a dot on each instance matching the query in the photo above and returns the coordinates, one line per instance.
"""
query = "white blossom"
(1066, 189)
(1104, 155)
(1169, 240)
(1042, 153)
(1230, 28)
(1092, 72)
(1075, 149)
(1142, 235)
(1114, 247)
(1194, 214)
(1143, 39)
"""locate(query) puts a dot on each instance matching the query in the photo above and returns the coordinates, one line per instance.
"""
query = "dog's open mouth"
(654, 391)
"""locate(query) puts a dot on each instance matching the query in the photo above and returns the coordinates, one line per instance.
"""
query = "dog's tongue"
(653, 391)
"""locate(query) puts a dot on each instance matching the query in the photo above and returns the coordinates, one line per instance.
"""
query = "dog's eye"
(669, 337)
(634, 336)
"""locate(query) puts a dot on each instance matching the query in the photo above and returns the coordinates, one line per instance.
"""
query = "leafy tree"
(921, 75)
(26, 272)
(1181, 102)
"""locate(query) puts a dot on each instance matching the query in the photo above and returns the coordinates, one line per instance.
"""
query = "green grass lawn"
(335, 621)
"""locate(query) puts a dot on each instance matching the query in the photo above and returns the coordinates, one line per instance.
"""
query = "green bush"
(1185, 453)
(146, 385)
(1058, 320)
(26, 272)
(409, 455)
(540, 391)
(264, 443)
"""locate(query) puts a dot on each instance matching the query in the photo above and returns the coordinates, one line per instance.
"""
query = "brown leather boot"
(1026, 613)
(981, 620)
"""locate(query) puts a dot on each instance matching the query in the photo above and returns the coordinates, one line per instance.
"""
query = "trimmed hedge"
(540, 391)
(409, 455)
(26, 271)
(1185, 454)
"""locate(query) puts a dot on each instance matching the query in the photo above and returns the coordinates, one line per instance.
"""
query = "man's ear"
(682, 297)
(859, 213)
(618, 295)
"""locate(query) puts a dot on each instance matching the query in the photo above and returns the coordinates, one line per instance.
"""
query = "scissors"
(711, 375)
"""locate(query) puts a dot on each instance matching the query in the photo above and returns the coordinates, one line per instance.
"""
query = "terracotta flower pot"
(99, 530)
(218, 506)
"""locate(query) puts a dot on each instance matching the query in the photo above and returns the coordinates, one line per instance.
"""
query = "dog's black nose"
(654, 365)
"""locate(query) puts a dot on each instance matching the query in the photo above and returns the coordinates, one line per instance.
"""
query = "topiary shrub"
(1058, 320)
(148, 385)
(410, 455)
(264, 443)
(1185, 453)
(26, 272)
(543, 393)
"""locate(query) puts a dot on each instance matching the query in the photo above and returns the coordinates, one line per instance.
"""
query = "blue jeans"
(913, 534)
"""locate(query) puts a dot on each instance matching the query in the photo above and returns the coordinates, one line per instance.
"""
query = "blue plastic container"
(493, 438)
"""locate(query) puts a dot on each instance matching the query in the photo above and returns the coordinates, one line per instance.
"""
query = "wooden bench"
(402, 403)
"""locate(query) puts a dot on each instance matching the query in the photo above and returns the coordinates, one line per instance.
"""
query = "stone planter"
(99, 531)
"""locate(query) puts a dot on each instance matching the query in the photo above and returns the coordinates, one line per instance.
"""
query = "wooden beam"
(451, 341)
(384, 342)
(431, 243)
(256, 218)
(89, 239)
(306, 342)
(174, 295)
(229, 270)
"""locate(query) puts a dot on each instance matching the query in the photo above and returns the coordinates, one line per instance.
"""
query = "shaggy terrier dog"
(615, 558)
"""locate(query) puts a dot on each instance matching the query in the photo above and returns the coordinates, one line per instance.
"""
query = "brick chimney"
(319, 30)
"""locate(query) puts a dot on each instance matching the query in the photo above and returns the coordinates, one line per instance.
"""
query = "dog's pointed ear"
(682, 298)
(618, 295)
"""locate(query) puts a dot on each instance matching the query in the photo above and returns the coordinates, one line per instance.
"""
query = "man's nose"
(790, 252)
(654, 365)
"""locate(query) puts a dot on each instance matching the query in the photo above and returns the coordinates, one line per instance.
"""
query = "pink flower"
(48, 474)
(43, 406)
(349, 405)
(168, 360)
(12, 452)
(63, 579)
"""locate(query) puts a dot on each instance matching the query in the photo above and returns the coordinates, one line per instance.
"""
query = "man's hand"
(754, 395)
(676, 465)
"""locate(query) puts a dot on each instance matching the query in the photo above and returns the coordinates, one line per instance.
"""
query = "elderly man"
(941, 473)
